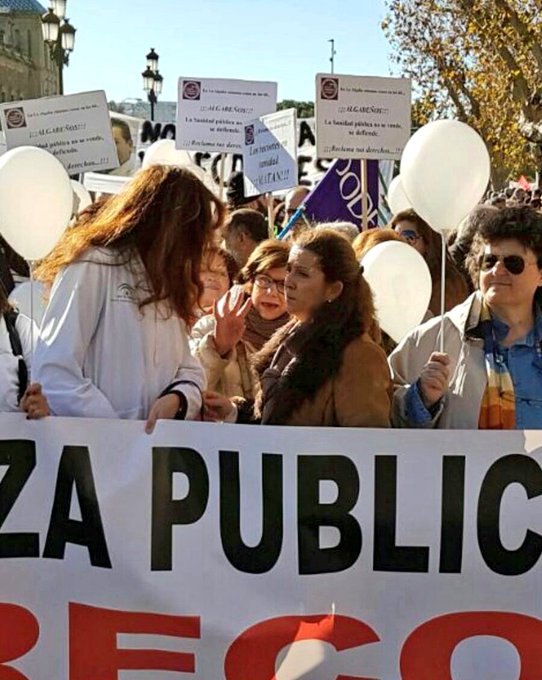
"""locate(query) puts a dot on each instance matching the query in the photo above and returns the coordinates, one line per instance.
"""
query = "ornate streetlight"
(59, 36)
(152, 80)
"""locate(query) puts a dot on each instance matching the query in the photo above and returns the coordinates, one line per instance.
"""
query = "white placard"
(75, 128)
(362, 116)
(212, 112)
(252, 552)
(270, 153)
(105, 184)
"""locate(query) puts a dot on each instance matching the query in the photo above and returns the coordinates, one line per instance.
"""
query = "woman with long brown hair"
(114, 340)
(324, 367)
(428, 243)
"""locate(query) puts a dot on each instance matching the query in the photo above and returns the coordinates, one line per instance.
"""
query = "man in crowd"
(10, 263)
(235, 195)
(242, 232)
(125, 149)
(294, 198)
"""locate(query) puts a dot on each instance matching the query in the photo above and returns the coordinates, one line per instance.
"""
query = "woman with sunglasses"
(243, 321)
(427, 242)
(490, 376)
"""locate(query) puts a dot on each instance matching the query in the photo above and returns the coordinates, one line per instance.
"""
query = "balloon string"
(31, 268)
(442, 291)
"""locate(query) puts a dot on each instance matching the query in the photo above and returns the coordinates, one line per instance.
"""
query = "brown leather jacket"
(358, 395)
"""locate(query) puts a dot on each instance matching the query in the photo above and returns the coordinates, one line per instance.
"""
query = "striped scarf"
(498, 409)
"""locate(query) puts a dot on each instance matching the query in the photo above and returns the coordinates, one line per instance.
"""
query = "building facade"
(26, 68)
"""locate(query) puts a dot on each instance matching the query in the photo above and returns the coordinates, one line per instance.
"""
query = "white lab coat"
(99, 355)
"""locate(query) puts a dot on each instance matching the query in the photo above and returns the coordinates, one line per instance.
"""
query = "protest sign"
(104, 184)
(212, 112)
(270, 153)
(75, 128)
(249, 553)
(362, 116)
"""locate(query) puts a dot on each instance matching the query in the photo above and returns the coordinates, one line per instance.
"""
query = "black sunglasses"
(514, 264)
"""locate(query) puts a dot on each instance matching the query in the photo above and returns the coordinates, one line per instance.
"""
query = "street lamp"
(152, 80)
(59, 36)
(333, 53)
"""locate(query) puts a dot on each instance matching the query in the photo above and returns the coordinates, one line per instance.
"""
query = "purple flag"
(338, 194)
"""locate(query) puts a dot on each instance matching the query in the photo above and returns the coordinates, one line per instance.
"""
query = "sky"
(279, 40)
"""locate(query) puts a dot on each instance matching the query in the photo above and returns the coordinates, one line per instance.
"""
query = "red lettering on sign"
(93, 642)
(427, 652)
(252, 656)
(19, 632)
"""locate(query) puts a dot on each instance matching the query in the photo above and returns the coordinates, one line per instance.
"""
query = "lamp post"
(152, 80)
(333, 53)
(59, 36)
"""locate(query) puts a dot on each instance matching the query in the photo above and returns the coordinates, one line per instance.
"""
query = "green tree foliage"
(481, 62)
(304, 109)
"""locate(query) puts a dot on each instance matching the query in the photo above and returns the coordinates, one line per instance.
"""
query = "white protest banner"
(75, 128)
(362, 116)
(105, 184)
(212, 112)
(251, 553)
(270, 153)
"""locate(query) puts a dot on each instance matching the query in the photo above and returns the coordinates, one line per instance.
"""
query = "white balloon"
(401, 283)
(396, 198)
(29, 299)
(163, 152)
(205, 177)
(83, 197)
(36, 201)
(445, 170)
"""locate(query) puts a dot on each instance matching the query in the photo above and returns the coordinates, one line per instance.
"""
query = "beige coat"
(460, 408)
(231, 375)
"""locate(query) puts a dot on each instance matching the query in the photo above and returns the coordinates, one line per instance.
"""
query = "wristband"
(183, 403)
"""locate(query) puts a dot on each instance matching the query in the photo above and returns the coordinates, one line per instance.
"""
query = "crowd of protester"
(164, 303)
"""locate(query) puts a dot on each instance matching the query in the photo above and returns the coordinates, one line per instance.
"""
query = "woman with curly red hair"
(114, 340)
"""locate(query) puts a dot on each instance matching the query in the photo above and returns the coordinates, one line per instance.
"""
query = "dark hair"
(320, 342)
(167, 216)
(353, 311)
(522, 223)
(5, 305)
(123, 126)
(471, 224)
(235, 191)
(251, 222)
(268, 254)
(232, 267)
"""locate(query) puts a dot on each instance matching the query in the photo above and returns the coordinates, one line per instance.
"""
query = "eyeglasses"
(514, 264)
(267, 283)
(409, 235)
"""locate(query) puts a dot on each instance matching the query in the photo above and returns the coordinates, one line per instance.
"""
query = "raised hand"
(229, 323)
